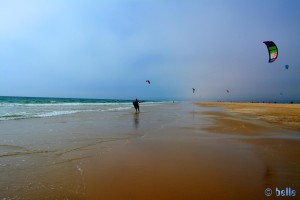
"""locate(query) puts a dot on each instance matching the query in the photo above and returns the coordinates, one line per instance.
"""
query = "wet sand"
(176, 151)
(265, 127)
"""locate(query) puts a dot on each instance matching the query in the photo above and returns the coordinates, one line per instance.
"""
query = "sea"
(16, 108)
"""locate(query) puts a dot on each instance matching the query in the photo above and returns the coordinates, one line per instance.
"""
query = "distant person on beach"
(136, 105)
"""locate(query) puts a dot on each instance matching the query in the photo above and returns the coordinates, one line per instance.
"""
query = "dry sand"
(283, 115)
(176, 151)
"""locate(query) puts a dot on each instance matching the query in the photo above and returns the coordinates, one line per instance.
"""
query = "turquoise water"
(45, 100)
(12, 108)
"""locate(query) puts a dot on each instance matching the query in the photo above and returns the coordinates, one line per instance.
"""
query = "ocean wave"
(6, 117)
(60, 104)
(11, 105)
(56, 113)
(24, 115)
(118, 109)
(17, 110)
(13, 117)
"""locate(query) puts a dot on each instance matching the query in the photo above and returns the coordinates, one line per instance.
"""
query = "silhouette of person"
(136, 105)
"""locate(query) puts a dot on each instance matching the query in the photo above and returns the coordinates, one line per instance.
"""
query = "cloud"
(81, 47)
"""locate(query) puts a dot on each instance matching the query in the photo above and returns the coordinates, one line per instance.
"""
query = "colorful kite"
(273, 50)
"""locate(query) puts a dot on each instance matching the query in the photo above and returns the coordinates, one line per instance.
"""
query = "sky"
(109, 48)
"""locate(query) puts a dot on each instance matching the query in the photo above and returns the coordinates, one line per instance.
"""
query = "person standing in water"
(136, 105)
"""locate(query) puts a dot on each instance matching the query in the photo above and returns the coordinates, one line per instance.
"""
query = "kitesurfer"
(136, 105)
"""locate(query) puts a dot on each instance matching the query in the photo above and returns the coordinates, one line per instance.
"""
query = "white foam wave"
(118, 109)
(15, 111)
(56, 113)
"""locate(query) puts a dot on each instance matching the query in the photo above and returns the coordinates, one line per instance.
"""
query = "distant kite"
(227, 91)
(287, 66)
(193, 90)
(273, 50)
(147, 81)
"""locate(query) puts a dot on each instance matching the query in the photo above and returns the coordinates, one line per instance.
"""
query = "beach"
(167, 151)
(282, 115)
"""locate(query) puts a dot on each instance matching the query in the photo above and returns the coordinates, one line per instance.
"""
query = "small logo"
(286, 192)
(268, 192)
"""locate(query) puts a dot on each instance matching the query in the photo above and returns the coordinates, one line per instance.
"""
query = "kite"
(273, 50)
(287, 66)
(193, 90)
(147, 81)
(227, 91)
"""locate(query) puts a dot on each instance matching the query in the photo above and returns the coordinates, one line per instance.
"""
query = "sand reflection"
(136, 120)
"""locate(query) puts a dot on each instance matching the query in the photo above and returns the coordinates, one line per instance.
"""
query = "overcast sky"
(109, 48)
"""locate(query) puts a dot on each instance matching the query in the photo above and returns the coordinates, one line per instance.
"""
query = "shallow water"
(41, 157)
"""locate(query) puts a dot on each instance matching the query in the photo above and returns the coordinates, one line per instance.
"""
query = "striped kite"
(273, 50)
